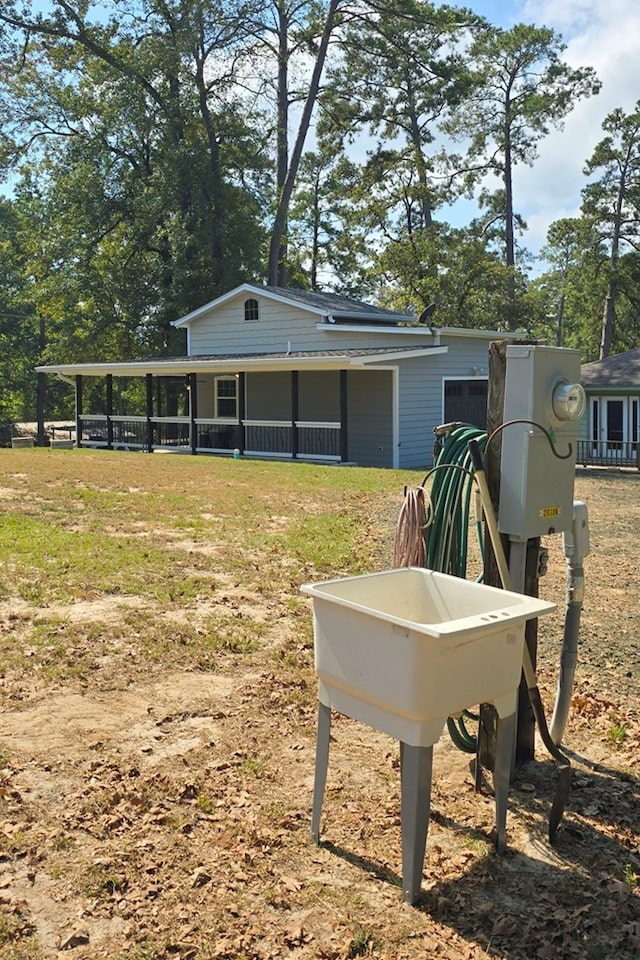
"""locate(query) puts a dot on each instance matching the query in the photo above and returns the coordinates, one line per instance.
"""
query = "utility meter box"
(537, 469)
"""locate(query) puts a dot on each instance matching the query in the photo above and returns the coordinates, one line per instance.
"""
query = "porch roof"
(621, 371)
(243, 362)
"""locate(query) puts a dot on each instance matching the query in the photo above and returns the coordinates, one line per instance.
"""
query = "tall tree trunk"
(282, 141)
(421, 166)
(609, 313)
(277, 268)
(215, 181)
(608, 320)
(509, 234)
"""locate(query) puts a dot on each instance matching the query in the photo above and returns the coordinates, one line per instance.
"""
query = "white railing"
(312, 439)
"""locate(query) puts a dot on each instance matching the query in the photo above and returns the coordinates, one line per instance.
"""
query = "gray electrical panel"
(542, 389)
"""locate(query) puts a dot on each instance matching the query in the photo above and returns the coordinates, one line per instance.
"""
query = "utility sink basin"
(403, 649)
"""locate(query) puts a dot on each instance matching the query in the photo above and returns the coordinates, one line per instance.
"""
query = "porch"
(329, 407)
(612, 428)
(251, 415)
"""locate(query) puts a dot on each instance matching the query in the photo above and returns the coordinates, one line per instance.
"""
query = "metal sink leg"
(416, 763)
(322, 762)
(415, 806)
(505, 743)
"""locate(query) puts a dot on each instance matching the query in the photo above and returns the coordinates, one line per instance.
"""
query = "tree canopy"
(156, 153)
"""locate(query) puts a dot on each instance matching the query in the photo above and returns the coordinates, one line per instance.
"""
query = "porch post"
(193, 411)
(109, 411)
(78, 411)
(295, 403)
(344, 420)
(149, 382)
(241, 411)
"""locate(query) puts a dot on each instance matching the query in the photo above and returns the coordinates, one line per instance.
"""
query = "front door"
(615, 424)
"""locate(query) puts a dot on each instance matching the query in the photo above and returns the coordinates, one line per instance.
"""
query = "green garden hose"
(432, 531)
(446, 536)
(433, 527)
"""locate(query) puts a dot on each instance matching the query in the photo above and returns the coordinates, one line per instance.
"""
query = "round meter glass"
(569, 400)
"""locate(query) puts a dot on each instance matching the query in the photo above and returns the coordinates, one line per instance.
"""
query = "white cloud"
(603, 34)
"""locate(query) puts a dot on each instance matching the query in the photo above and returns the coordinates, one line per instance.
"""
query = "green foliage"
(571, 292)
(522, 88)
(459, 270)
(151, 171)
(617, 733)
(611, 203)
(137, 169)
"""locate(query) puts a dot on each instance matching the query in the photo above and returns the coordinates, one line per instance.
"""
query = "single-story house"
(274, 372)
(611, 428)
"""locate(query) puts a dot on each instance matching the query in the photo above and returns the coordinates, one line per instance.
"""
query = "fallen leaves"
(205, 853)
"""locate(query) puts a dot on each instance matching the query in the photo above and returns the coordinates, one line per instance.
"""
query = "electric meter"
(569, 400)
(544, 405)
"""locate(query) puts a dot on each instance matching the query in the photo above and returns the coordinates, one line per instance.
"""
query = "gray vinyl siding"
(225, 331)
(420, 406)
(268, 396)
(370, 419)
(319, 395)
(206, 400)
(421, 396)
(282, 327)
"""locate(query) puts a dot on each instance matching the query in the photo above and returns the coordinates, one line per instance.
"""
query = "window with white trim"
(251, 311)
(226, 396)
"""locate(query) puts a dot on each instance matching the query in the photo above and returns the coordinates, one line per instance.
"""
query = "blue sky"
(604, 34)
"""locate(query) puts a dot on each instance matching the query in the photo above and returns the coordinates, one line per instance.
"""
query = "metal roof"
(622, 371)
(331, 305)
(240, 362)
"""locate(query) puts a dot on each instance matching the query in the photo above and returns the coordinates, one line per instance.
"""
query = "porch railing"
(316, 440)
(608, 453)
(94, 432)
(119, 432)
(217, 435)
(321, 441)
(171, 432)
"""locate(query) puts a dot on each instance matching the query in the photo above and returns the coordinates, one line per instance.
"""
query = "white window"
(226, 397)
(251, 312)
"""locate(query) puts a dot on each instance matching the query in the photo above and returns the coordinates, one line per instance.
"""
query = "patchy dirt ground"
(152, 812)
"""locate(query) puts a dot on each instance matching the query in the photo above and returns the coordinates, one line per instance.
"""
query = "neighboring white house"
(611, 426)
(273, 372)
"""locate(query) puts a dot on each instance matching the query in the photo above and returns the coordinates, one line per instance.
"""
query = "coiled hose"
(433, 524)
(432, 532)
(432, 529)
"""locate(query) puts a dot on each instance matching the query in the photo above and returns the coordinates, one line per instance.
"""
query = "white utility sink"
(404, 649)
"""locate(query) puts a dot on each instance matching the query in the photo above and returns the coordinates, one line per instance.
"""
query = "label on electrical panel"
(549, 513)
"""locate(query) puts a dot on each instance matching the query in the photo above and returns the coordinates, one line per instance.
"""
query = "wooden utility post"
(41, 385)
(488, 716)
